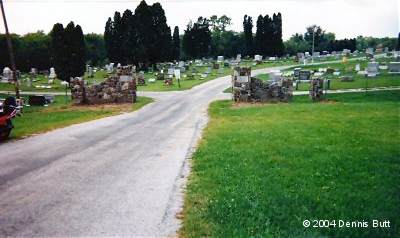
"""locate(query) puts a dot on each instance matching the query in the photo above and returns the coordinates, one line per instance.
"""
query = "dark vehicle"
(8, 110)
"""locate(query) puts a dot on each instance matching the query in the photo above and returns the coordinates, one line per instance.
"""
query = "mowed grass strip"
(62, 113)
(261, 170)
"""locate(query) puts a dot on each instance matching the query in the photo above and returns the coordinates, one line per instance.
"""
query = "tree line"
(144, 38)
(34, 50)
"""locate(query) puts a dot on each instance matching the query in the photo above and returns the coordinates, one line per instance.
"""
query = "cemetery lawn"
(60, 114)
(384, 79)
(261, 170)
(41, 80)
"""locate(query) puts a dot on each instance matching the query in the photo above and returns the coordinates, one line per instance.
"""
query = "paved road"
(117, 176)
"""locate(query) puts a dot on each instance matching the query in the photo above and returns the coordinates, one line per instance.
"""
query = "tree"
(59, 51)
(296, 44)
(219, 24)
(268, 37)
(278, 47)
(95, 49)
(176, 44)
(248, 34)
(68, 51)
(197, 39)
(398, 42)
(259, 38)
(109, 39)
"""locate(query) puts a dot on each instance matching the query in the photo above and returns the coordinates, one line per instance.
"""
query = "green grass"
(61, 113)
(347, 69)
(262, 169)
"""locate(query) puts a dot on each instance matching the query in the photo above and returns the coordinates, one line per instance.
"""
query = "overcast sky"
(346, 18)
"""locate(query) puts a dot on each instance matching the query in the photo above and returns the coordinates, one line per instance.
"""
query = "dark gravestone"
(304, 75)
(37, 100)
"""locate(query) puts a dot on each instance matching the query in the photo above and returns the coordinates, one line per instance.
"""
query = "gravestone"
(7, 75)
(296, 72)
(90, 72)
(208, 70)
(177, 74)
(238, 58)
(170, 71)
(215, 66)
(141, 80)
(220, 59)
(220, 70)
(394, 68)
(52, 75)
(372, 69)
(258, 58)
(304, 75)
(357, 67)
(316, 54)
(316, 89)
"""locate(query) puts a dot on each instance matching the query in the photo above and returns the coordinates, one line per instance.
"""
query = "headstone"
(258, 58)
(296, 72)
(394, 68)
(220, 70)
(141, 79)
(272, 58)
(357, 67)
(171, 71)
(316, 89)
(238, 58)
(369, 51)
(316, 54)
(7, 74)
(304, 75)
(177, 74)
(90, 72)
(372, 69)
(220, 59)
(208, 70)
(52, 74)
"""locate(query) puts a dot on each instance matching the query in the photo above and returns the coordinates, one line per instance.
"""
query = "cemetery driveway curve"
(117, 176)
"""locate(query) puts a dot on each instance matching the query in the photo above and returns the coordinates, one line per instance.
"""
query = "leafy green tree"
(398, 42)
(296, 44)
(95, 49)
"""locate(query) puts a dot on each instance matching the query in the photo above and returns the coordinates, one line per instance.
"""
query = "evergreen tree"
(176, 44)
(259, 38)
(79, 62)
(68, 51)
(109, 39)
(248, 34)
(277, 46)
(197, 39)
(59, 51)
(268, 45)
(398, 42)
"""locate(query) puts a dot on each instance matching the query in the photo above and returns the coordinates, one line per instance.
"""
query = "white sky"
(346, 18)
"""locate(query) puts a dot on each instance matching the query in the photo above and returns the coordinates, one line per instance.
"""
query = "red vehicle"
(8, 110)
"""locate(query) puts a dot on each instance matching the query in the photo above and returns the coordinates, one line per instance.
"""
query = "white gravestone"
(177, 74)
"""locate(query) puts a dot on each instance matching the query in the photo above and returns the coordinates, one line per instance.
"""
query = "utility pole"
(10, 52)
